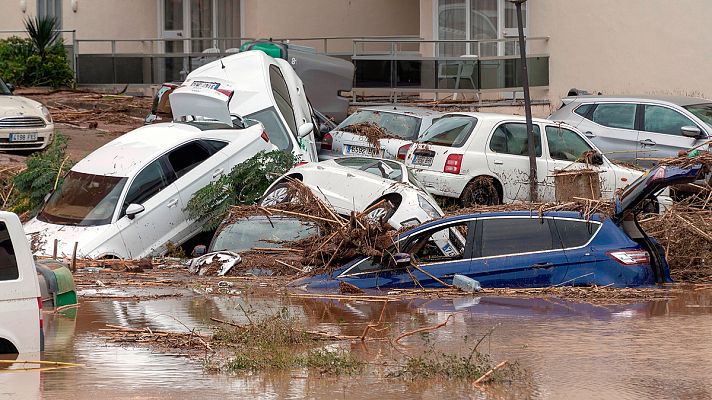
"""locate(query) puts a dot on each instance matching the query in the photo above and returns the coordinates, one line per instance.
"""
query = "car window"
(451, 131)
(702, 111)
(381, 168)
(503, 236)
(400, 125)
(442, 245)
(248, 233)
(8, 263)
(213, 146)
(565, 144)
(664, 120)
(512, 138)
(187, 157)
(4, 89)
(281, 97)
(278, 136)
(575, 233)
(615, 115)
(147, 183)
(583, 109)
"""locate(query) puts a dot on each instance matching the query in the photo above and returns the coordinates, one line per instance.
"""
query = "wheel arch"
(7, 347)
(497, 185)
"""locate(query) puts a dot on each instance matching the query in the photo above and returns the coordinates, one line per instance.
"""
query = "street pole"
(533, 193)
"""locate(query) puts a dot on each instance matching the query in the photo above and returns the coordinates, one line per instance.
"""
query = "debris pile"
(372, 132)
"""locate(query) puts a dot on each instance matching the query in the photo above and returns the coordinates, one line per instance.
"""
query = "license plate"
(23, 137)
(360, 150)
(422, 160)
(205, 85)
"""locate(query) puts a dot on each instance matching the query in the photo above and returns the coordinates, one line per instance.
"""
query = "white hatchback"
(127, 199)
(24, 123)
(361, 184)
(460, 148)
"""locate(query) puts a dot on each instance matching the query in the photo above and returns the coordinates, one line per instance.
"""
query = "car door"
(661, 134)
(576, 236)
(517, 252)
(195, 164)
(611, 127)
(507, 154)
(346, 189)
(565, 149)
(153, 188)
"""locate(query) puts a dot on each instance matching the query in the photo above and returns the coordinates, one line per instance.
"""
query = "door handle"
(647, 142)
(498, 162)
(172, 202)
(542, 265)
(217, 172)
(589, 134)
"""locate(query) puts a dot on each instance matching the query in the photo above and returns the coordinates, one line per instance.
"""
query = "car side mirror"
(402, 260)
(10, 87)
(691, 131)
(134, 209)
(597, 158)
(305, 129)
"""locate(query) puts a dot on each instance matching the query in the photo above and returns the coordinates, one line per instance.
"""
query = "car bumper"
(441, 183)
(44, 137)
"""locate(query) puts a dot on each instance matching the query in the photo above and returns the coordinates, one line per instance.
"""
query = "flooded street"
(653, 349)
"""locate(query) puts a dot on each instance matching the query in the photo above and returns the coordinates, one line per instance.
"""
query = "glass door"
(174, 32)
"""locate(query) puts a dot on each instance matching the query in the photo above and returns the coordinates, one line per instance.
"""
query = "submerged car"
(24, 124)
(384, 188)
(402, 126)
(523, 249)
(127, 199)
(460, 149)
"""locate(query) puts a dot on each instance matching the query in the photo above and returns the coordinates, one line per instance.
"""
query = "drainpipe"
(533, 193)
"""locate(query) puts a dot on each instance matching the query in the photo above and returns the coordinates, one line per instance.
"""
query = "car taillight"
(403, 150)
(301, 163)
(327, 141)
(265, 136)
(39, 304)
(630, 257)
(453, 164)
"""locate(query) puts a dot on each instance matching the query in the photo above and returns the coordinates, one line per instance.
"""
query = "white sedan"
(360, 184)
(457, 151)
(24, 124)
(127, 199)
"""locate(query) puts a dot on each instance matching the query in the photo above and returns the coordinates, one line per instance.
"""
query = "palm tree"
(43, 33)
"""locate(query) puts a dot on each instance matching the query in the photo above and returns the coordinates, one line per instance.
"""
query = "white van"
(20, 299)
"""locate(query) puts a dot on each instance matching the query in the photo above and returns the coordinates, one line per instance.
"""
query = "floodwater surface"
(653, 349)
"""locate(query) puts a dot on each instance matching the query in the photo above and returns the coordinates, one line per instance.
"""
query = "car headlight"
(428, 208)
(45, 113)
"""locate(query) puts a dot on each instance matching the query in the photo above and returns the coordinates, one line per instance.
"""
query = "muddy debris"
(372, 132)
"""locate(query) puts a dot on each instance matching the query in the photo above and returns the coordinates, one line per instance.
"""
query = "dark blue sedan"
(522, 249)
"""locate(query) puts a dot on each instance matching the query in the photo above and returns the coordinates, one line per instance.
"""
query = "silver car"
(640, 130)
(403, 125)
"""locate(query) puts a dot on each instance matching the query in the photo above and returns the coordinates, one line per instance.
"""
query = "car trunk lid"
(203, 100)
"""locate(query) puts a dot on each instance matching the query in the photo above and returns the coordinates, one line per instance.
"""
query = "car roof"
(130, 152)
(498, 117)
(414, 111)
(677, 100)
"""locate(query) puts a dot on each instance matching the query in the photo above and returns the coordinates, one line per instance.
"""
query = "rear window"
(450, 131)
(503, 236)
(8, 263)
(400, 125)
(575, 233)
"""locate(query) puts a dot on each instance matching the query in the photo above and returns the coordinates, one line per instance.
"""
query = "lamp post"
(533, 193)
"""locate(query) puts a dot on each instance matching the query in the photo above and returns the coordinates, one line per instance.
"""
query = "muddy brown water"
(653, 349)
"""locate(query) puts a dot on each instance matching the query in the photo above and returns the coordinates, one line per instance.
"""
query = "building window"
(50, 8)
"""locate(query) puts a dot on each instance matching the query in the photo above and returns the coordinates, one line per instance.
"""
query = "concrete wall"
(12, 17)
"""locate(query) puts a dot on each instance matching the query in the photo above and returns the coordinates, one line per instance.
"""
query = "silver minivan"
(640, 130)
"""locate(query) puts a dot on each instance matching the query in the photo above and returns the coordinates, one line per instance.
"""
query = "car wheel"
(278, 195)
(382, 213)
(481, 191)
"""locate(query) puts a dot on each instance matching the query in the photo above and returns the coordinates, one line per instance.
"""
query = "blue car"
(521, 249)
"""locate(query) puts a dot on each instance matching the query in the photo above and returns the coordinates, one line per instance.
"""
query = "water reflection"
(572, 349)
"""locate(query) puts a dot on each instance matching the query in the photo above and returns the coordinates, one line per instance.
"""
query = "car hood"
(12, 106)
(88, 238)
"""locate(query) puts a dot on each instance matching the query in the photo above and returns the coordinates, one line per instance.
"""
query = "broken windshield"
(83, 200)
(400, 125)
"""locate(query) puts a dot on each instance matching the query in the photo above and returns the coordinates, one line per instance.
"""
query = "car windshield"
(4, 90)
(276, 131)
(449, 131)
(249, 233)
(381, 168)
(83, 200)
(401, 125)
(702, 111)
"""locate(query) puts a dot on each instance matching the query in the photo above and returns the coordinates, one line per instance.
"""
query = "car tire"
(481, 191)
(279, 194)
(382, 213)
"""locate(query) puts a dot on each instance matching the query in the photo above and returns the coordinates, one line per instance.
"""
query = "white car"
(127, 199)
(268, 90)
(24, 124)
(360, 184)
(462, 147)
(404, 125)
(20, 298)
